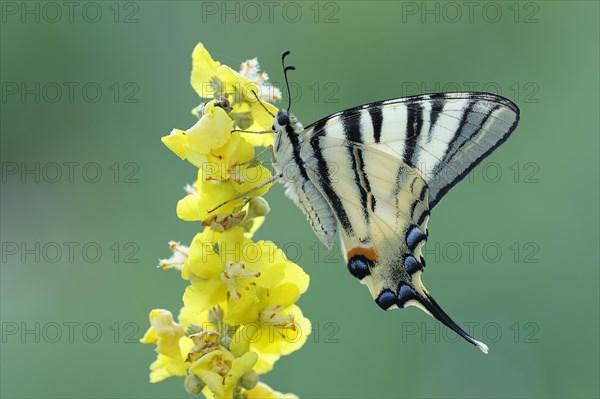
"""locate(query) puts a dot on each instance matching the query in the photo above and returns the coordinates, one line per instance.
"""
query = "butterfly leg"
(244, 194)
(257, 156)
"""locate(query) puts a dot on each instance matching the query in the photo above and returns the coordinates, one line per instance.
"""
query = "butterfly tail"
(432, 307)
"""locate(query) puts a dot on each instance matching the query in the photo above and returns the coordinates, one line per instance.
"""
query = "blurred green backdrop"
(88, 89)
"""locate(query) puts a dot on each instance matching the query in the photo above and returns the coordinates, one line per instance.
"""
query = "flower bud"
(258, 207)
(249, 380)
(193, 385)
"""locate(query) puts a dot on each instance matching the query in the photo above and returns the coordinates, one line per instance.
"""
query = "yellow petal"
(204, 295)
(239, 367)
(265, 362)
(211, 131)
(176, 142)
(262, 119)
(271, 274)
(204, 69)
(237, 150)
(252, 176)
(236, 84)
(203, 262)
(243, 310)
(279, 341)
(263, 391)
(214, 194)
(283, 295)
(188, 208)
(149, 337)
(295, 274)
(259, 140)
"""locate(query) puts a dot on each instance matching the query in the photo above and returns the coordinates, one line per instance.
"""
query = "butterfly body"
(374, 172)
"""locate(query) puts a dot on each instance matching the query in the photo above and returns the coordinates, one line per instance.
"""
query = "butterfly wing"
(383, 166)
(442, 135)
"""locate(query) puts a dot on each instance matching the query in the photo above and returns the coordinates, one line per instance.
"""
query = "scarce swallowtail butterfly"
(373, 173)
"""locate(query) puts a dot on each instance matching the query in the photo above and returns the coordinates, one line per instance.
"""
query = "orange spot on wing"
(368, 253)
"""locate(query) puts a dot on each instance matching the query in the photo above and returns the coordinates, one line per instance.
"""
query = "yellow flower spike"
(263, 391)
(171, 345)
(239, 315)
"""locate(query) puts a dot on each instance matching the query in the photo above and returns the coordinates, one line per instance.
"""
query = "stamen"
(232, 276)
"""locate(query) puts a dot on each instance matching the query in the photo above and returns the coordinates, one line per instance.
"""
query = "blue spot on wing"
(359, 266)
(411, 265)
(386, 299)
(405, 294)
(414, 236)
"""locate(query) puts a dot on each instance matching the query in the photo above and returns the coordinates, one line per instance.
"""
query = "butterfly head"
(286, 122)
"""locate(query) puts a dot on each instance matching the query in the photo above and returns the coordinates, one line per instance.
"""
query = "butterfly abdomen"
(300, 189)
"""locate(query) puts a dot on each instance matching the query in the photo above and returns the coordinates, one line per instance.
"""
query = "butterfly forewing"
(443, 136)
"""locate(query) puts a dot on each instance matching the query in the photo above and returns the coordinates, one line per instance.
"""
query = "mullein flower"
(239, 313)
(171, 346)
(210, 79)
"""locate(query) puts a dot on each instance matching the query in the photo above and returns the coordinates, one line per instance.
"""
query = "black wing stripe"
(351, 122)
(325, 182)
(457, 134)
(440, 194)
(414, 124)
(376, 119)
(294, 139)
(436, 109)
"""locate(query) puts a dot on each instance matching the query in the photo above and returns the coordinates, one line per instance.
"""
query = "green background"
(536, 307)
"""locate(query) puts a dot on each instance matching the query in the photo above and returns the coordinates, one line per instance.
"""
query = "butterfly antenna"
(285, 71)
(262, 105)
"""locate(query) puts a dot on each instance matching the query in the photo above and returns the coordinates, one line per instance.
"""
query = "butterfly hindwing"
(384, 203)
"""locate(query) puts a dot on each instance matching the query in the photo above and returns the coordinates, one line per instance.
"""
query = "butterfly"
(373, 173)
